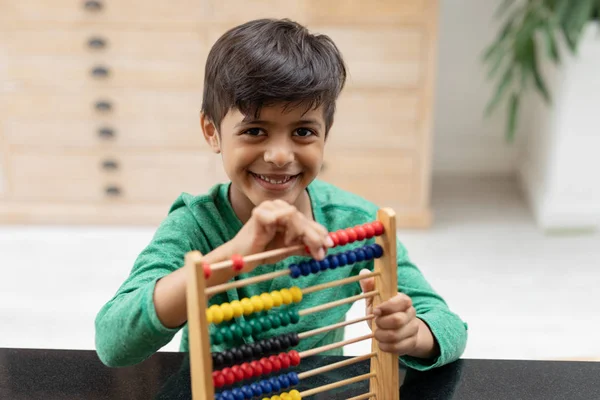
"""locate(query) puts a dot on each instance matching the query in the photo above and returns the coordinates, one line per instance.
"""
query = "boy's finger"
(399, 303)
(396, 320)
(368, 284)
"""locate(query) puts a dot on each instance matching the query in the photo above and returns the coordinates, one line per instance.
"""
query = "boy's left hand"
(398, 328)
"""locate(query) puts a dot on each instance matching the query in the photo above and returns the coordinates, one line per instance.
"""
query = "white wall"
(465, 142)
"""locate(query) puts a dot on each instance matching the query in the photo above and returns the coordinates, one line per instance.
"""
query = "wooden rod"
(335, 385)
(332, 327)
(336, 365)
(332, 346)
(285, 251)
(339, 282)
(364, 396)
(244, 282)
(347, 300)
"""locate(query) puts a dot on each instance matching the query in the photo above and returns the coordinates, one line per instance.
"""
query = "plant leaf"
(505, 82)
(513, 116)
(539, 81)
(551, 47)
(503, 7)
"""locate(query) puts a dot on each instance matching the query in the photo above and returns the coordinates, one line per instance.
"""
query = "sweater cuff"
(150, 312)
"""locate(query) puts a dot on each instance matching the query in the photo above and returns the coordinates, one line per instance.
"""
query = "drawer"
(83, 73)
(153, 105)
(379, 57)
(234, 12)
(173, 13)
(120, 133)
(376, 119)
(146, 177)
(356, 12)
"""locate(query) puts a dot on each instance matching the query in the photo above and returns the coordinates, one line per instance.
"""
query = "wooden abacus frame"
(383, 376)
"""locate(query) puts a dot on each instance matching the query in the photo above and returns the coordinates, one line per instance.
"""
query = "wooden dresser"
(100, 100)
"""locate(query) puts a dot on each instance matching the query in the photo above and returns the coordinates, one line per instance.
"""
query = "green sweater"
(129, 331)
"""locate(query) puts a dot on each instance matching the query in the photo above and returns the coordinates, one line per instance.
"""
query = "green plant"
(531, 29)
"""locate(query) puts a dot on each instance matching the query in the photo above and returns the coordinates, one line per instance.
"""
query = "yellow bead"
(247, 305)
(267, 301)
(296, 294)
(227, 311)
(257, 303)
(277, 299)
(209, 316)
(275, 398)
(217, 314)
(286, 296)
(295, 395)
(285, 396)
(237, 308)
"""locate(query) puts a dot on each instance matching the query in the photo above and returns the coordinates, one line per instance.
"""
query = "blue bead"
(370, 254)
(324, 264)
(293, 377)
(305, 268)
(237, 394)
(284, 381)
(343, 259)
(248, 394)
(226, 395)
(351, 257)
(275, 384)
(266, 387)
(256, 389)
(295, 271)
(333, 261)
(360, 255)
(217, 396)
(314, 266)
(377, 249)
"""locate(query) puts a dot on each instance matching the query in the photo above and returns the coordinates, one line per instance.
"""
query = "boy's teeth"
(273, 181)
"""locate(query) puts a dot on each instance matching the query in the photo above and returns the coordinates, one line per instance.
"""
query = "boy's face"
(274, 156)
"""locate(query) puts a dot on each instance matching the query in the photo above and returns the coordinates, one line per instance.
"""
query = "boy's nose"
(279, 155)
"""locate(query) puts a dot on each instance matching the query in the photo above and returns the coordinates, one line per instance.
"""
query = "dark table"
(73, 374)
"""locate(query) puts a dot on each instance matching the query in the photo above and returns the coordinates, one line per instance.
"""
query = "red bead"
(248, 371)
(238, 372)
(218, 379)
(334, 237)
(275, 363)
(361, 234)
(285, 360)
(378, 227)
(207, 270)
(256, 368)
(352, 236)
(228, 375)
(369, 230)
(266, 366)
(238, 262)
(294, 357)
(343, 237)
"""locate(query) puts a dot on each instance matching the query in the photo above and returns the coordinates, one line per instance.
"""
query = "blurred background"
(476, 120)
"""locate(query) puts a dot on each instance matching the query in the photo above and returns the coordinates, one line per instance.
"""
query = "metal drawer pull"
(112, 191)
(93, 5)
(100, 72)
(106, 133)
(96, 43)
(110, 165)
(103, 105)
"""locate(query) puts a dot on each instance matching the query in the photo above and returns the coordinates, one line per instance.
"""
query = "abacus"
(213, 374)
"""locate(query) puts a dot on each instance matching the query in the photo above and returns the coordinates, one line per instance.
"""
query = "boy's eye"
(253, 132)
(303, 132)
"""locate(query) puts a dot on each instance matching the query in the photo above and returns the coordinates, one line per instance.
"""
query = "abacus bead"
(285, 396)
(277, 299)
(266, 365)
(218, 360)
(369, 230)
(360, 255)
(284, 381)
(377, 227)
(257, 350)
(256, 390)
(257, 303)
(352, 235)
(238, 372)
(294, 339)
(247, 370)
(286, 296)
(229, 359)
(324, 264)
(343, 236)
(285, 342)
(246, 328)
(266, 346)
(293, 377)
(343, 259)
(236, 331)
(227, 336)
(237, 308)
(275, 344)
(296, 294)
(361, 234)
(217, 314)
(294, 357)
(207, 270)
(295, 271)
(275, 321)
(209, 316)
(265, 323)
(248, 394)
(238, 355)
(275, 384)
(237, 394)
(377, 249)
(314, 266)
(351, 257)
(217, 337)
(255, 325)
(226, 395)
(370, 254)
(256, 368)
(294, 316)
(285, 360)
(247, 305)
(333, 261)
(265, 386)
(238, 262)
(295, 395)
(228, 375)
(218, 379)
(276, 397)
(267, 301)
(304, 268)
(284, 317)
(275, 363)
(334, 237)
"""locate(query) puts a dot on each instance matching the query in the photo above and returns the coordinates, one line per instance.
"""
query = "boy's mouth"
(275, 182)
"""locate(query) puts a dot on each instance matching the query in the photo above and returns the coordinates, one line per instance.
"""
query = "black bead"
(285, 342)
(218, 361)
(246, 352)
(238, 355)
(229, 360)
(257, 349)
(266, 346)
(294, 339)
(276, 345)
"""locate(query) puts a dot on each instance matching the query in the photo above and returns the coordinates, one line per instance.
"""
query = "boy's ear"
(211, 134)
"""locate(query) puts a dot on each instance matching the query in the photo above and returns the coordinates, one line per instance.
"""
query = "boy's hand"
(398, 328)
(275, 224)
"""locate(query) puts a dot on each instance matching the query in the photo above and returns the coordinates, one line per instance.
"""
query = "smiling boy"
(269, 104)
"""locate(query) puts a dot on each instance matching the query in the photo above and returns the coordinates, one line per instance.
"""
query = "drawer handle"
(93, 5)
(106, 133)
(96, 43)
(103, 105)
(110, 165)
(100, 72)
(112, 191)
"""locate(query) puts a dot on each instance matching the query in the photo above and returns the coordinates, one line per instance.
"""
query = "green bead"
(217, 338)
(294, 316)
(256, 326)
(227, 336)
(236, 331)
(266, 324)
(285, 318)
(246, 328)
(275, 321)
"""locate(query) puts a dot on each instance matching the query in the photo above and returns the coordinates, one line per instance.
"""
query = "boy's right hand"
(276, 224)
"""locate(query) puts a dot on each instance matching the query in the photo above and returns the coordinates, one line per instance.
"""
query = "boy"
(269, 101)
